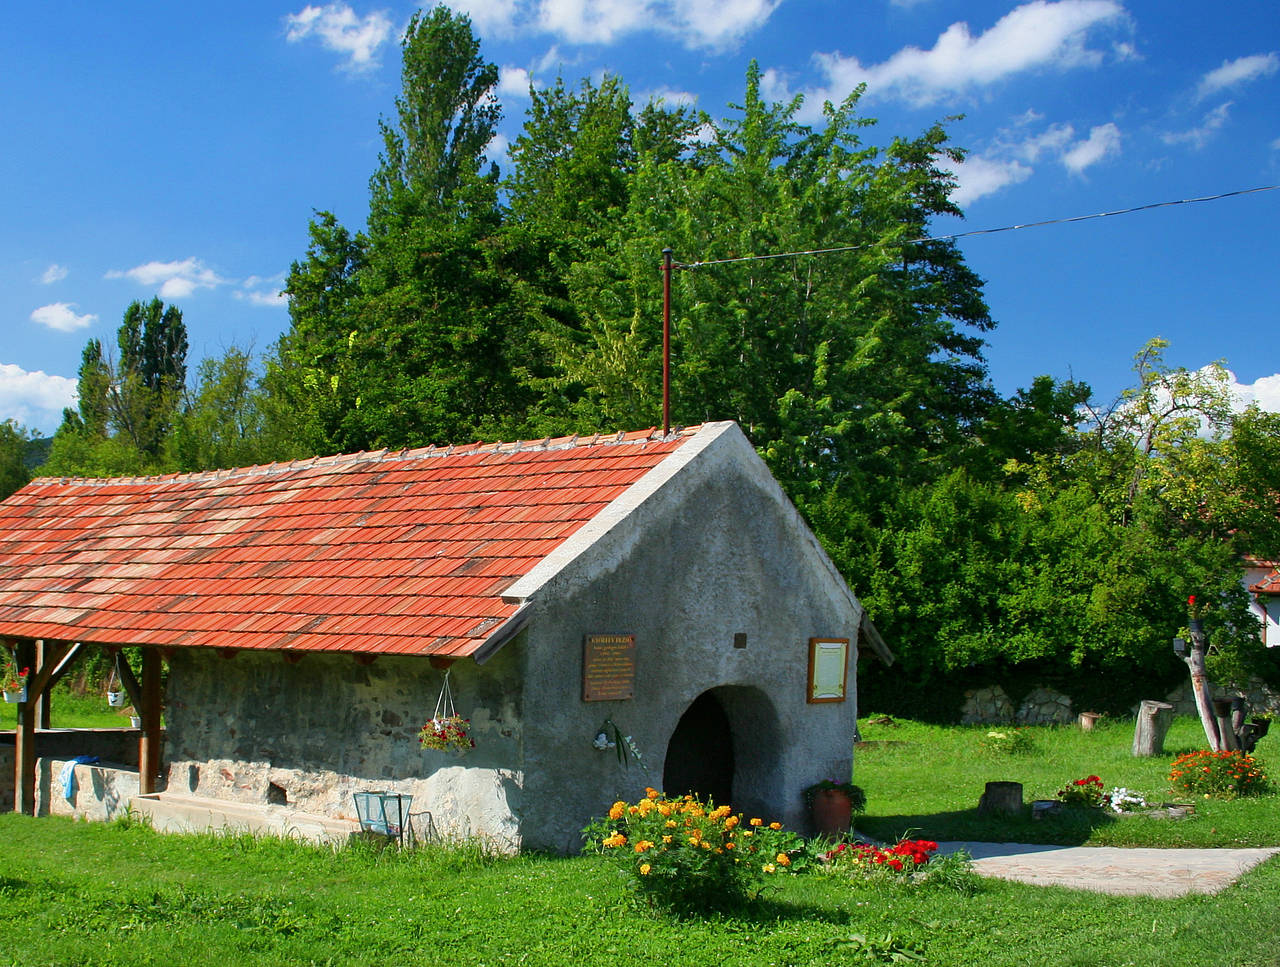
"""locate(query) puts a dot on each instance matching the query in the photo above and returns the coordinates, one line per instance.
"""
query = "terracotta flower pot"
(832, 812)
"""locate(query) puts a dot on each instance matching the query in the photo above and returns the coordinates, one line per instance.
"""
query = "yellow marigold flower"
(651, 793)
(644, 869)
(775, 825)
(664, 808)
(768, 867)
(643, 845)
(783, 859)
(732, 821)
(644, 807)
(748, 832)
(693, 841)
(757, 822)
(666, 840)
(670, 824)
(705, 844)
(730, 844)
(696, 835)
(719, 813)
(617, 839)
(617, 809)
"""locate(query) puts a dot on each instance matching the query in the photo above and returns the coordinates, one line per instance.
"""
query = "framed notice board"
(828, 669)
(608, 667)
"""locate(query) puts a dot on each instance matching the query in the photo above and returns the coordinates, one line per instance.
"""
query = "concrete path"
(1111, 869)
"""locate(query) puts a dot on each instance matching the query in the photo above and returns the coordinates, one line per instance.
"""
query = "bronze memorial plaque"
(608, 667)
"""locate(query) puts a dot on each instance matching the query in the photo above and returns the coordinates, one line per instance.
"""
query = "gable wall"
(718, 550)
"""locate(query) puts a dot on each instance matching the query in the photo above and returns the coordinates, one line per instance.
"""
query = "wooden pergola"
(49, 661)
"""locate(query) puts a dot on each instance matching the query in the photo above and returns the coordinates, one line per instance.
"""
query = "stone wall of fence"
(1046, 706)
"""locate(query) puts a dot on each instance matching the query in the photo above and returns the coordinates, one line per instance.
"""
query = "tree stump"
(1088, 720)
(1001, 797)
(1154, 719)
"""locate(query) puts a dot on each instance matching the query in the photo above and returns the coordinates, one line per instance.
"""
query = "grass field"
(929, 778)
(80, 893)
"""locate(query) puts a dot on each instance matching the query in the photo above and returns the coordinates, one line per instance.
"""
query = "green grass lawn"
(84, 893)
(928, 778)
(71, 711)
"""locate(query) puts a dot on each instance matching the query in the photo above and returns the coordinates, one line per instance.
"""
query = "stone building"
(658, 588)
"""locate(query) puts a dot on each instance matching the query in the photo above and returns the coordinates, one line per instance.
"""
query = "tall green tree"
(414, 332)
(127, 406)
(14, 474)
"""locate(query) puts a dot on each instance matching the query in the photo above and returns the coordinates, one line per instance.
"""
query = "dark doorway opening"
(700, 753)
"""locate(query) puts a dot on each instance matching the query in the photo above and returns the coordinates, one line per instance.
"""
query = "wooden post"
(1001, 797)
(149, 742)
(24, 738)
(1154, 719)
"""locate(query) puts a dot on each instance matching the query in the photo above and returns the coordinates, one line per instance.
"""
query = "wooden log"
(1154, 719)
(1002, 798)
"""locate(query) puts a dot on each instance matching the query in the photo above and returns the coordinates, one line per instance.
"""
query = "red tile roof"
(374, 553)
(1268, 585)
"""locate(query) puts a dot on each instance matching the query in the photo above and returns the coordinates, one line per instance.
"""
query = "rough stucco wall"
(327, 727)
(717, 551)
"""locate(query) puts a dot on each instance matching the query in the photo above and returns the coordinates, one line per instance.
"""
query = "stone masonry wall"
(257, 729)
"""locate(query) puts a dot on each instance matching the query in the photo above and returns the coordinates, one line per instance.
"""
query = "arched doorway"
(700, 754)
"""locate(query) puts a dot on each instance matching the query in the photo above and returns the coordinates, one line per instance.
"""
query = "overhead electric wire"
(976, 231)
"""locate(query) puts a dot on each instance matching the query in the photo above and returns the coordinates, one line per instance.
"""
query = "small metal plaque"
(608, 668)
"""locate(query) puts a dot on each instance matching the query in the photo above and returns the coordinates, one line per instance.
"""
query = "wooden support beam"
(149, 710)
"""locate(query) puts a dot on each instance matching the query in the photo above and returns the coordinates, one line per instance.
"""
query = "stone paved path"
(1111, 869)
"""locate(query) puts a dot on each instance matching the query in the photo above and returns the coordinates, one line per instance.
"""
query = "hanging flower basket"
(447, 734)
(447, 730)
(13, 680)
(115, 699)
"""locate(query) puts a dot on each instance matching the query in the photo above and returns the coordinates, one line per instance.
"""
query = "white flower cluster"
(1121, 800)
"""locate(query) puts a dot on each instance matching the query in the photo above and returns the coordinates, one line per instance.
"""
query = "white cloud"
(497, 17)
(497, 150)
(715, 24)
(258, 291)
(1103, 141)
(1199, 136)
(514, 82)
(176, 280)
(340, 29)
(35, 400)
(1043, 33)
(592, 21)
(720, 23)
(54, 273)
(62, 317)
(1264, 391)
(1235, 72)
(1053, 140)
(667, 96)
(978, 176)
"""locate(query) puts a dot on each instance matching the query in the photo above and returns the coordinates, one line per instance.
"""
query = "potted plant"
(13, 682)
(832, 805)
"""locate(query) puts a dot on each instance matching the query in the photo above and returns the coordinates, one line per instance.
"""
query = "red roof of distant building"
(373, 553)
(1268, 585)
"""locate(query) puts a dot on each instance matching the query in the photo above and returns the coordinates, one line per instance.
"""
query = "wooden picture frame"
(828, 670)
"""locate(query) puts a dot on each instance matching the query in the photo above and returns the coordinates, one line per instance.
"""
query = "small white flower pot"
(115, 699)
(16, 698)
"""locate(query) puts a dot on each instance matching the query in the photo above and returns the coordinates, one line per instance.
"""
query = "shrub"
(1226, 775)
(1009, 742)
(686, 855)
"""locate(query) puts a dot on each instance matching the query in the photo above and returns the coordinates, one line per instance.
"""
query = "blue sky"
(179, 150)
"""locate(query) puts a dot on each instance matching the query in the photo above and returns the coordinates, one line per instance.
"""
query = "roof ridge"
(653, 434)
